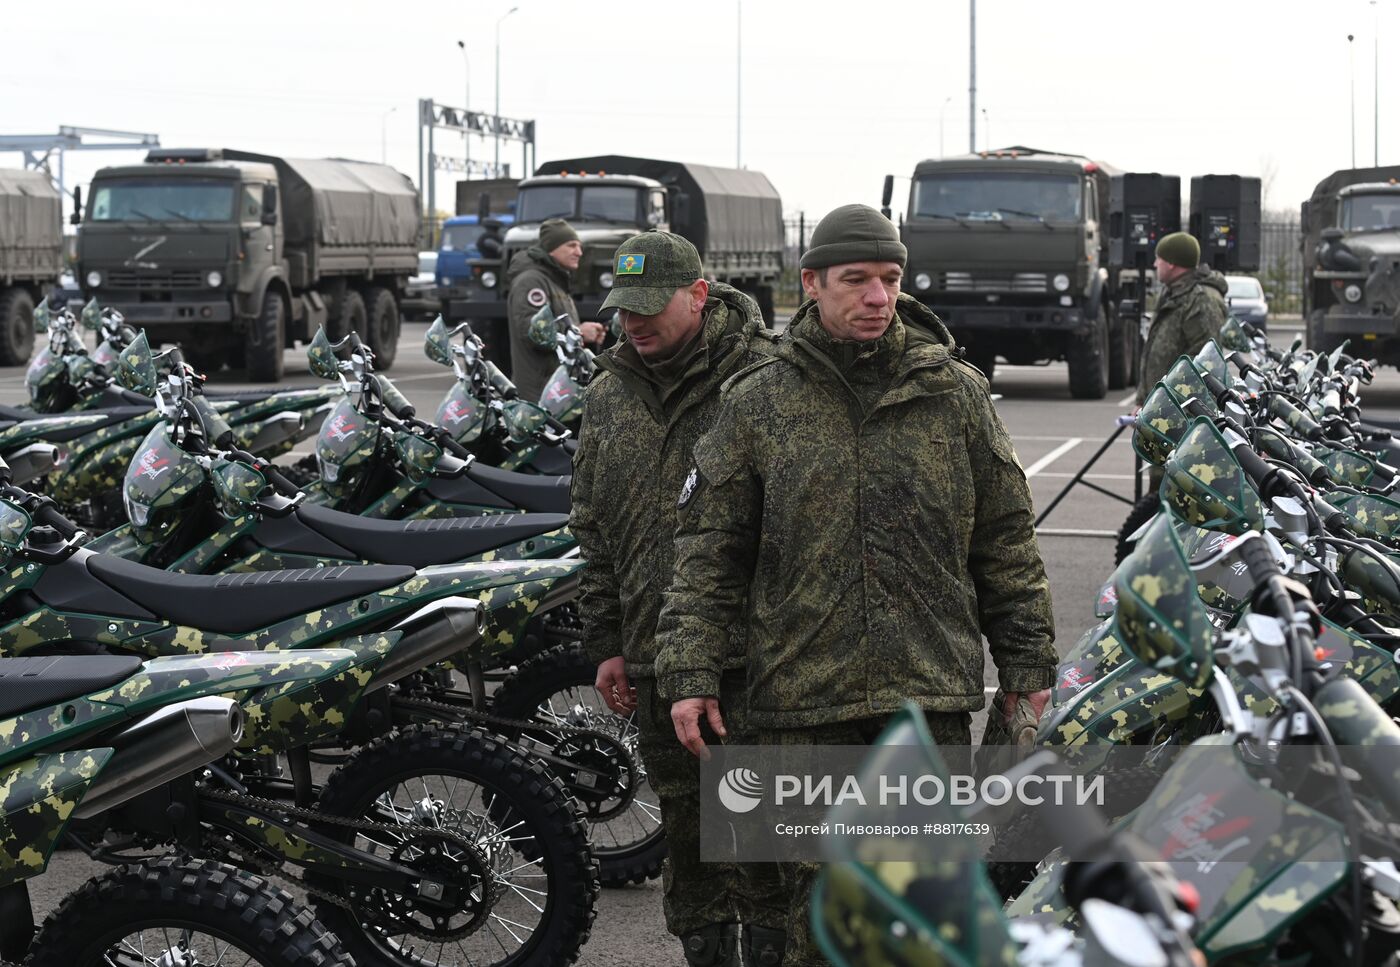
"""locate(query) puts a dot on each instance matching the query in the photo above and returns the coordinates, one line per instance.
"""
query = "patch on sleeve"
(536, 297)
(688, 488)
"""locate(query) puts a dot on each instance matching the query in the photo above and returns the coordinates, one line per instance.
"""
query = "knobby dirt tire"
(1141, 513)
(520, 696)
(1088, 357)
(259, 918)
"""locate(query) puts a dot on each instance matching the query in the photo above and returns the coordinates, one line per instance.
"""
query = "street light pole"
(1376, 80)
(384, 135)
(941, 111)
(1351, 60)
(466, 108)
(738, 83)
(496, 123)
(972, 78)
(986, 131)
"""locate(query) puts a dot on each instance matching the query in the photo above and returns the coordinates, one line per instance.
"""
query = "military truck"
(1010, 247)
(237, 255)
(733, 216)
(1351, 262)
(31, 256)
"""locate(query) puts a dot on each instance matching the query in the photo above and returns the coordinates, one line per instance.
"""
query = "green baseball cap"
(648, 269)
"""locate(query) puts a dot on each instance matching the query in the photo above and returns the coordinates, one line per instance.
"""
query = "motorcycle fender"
(37, 798)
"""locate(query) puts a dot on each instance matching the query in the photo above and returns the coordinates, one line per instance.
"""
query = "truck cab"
(1353, 284)
(466, 275)
(1009, 248)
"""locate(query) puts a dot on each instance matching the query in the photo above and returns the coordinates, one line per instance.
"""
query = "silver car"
(1246, 299)
(419, 296)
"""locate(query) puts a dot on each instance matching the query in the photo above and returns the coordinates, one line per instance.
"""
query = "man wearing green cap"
(1190, 308)
(857, 509)
(539, 278)
(656, 392)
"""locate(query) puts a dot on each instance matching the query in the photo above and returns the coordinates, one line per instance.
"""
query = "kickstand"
(1078, 479)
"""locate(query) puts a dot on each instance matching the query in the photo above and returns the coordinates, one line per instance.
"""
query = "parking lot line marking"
(1048, 474)
(1130, 398)
(1053, 455)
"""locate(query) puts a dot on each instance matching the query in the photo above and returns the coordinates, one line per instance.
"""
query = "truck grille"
(1022, 282)
(163, 281)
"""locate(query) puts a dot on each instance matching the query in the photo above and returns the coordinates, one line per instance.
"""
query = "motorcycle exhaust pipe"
(433, 634)
(32, 462)
(163, 747)
(563, 590)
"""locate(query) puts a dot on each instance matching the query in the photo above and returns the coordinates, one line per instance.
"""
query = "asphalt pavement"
(1054, 437)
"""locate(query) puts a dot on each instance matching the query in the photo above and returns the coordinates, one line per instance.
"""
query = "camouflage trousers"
(952, 730)
(696, 894)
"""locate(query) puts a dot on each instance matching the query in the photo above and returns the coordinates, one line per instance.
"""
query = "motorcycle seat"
(40, 681)
(554, 461)
(493, 487)
(417, 543)
(235, 604)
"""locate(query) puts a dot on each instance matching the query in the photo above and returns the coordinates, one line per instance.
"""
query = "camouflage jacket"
(634, 451)
(864, 515)
(536, 280)
(1188, 315)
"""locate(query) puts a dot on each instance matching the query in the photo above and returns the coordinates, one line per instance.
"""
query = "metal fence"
(1281, 265)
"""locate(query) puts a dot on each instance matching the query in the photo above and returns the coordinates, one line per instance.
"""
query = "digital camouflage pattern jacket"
(863, 514)
(1189, 314)
(639, 428)
(536, 280)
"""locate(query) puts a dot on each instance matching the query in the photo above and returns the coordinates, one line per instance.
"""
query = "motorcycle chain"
(635, 770)
(255, 864)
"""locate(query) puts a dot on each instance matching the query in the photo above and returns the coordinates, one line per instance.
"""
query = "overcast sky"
(835, 94)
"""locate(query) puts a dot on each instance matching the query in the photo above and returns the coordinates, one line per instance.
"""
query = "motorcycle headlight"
(94, 278)
(606, 280)
(214, 279)
(488, 279)
(1060, 282)
(1352, 293)
(923, 281)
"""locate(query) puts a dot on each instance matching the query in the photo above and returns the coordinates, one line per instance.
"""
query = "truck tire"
(348, 317)
(1087, 354)
(1122, 348)
(382, 325)
(262, 352)
(1318, 340)
(16, 327)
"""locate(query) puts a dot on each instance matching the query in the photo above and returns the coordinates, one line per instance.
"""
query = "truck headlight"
(605, 280)
(923, 281)
(1060, 282)
(488, 279)
(94, 278)
(214, 279)
(1352, 293)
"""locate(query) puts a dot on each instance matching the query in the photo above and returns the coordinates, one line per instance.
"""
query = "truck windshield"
(997, 195)
(155, 199)
(459, 238)
(599, 203)
(1361, 212)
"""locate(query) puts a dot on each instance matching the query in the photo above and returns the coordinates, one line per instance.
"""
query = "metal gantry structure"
(42, 150)
(433, 117)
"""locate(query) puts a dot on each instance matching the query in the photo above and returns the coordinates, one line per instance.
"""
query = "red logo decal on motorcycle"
(1075, 678)
(151, 464)
(556, 392)
(1201, 832)
(455, 412)
(340, 428)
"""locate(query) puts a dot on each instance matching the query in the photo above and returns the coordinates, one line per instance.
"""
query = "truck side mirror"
(77, 217)
(269, 205)
(886, 195)
(1332, 234)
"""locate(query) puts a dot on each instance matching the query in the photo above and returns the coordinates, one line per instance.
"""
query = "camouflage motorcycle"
(86, 742)
(1266, 819)
(357, 451)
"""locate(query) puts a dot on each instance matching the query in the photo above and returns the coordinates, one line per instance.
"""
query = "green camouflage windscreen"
(1347, 466)
(1211, 360)
(1185, 382)
(1205, 486)
(1159, 426)
(1233, 338)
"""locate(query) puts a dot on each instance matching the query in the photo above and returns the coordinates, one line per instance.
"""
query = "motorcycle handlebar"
(269, 471)
(1300, 420)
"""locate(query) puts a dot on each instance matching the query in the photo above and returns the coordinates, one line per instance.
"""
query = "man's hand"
(1038, 702)
(611, 683)
(593, 332)
(686, 715)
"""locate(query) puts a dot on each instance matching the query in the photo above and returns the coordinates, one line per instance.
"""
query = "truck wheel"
(262, 352)
(16, 327)
(1318, 340)
(349, 316)
(383, 324)
(1121, 346)
(1088, 361)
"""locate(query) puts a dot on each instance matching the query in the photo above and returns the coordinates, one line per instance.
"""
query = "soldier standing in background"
(859, 510)
(653, 397)
(539, 278)
(1190, 308)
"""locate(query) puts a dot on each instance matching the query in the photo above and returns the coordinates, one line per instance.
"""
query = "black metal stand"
(1078, 478)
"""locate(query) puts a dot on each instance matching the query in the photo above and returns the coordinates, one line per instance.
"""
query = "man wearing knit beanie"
(1190, 308)
(538, 279)
(858, 519)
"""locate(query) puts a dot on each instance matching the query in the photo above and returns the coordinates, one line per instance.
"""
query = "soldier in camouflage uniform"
(859, 508)
(655, 394)
(539, 278)
(1190, 308)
